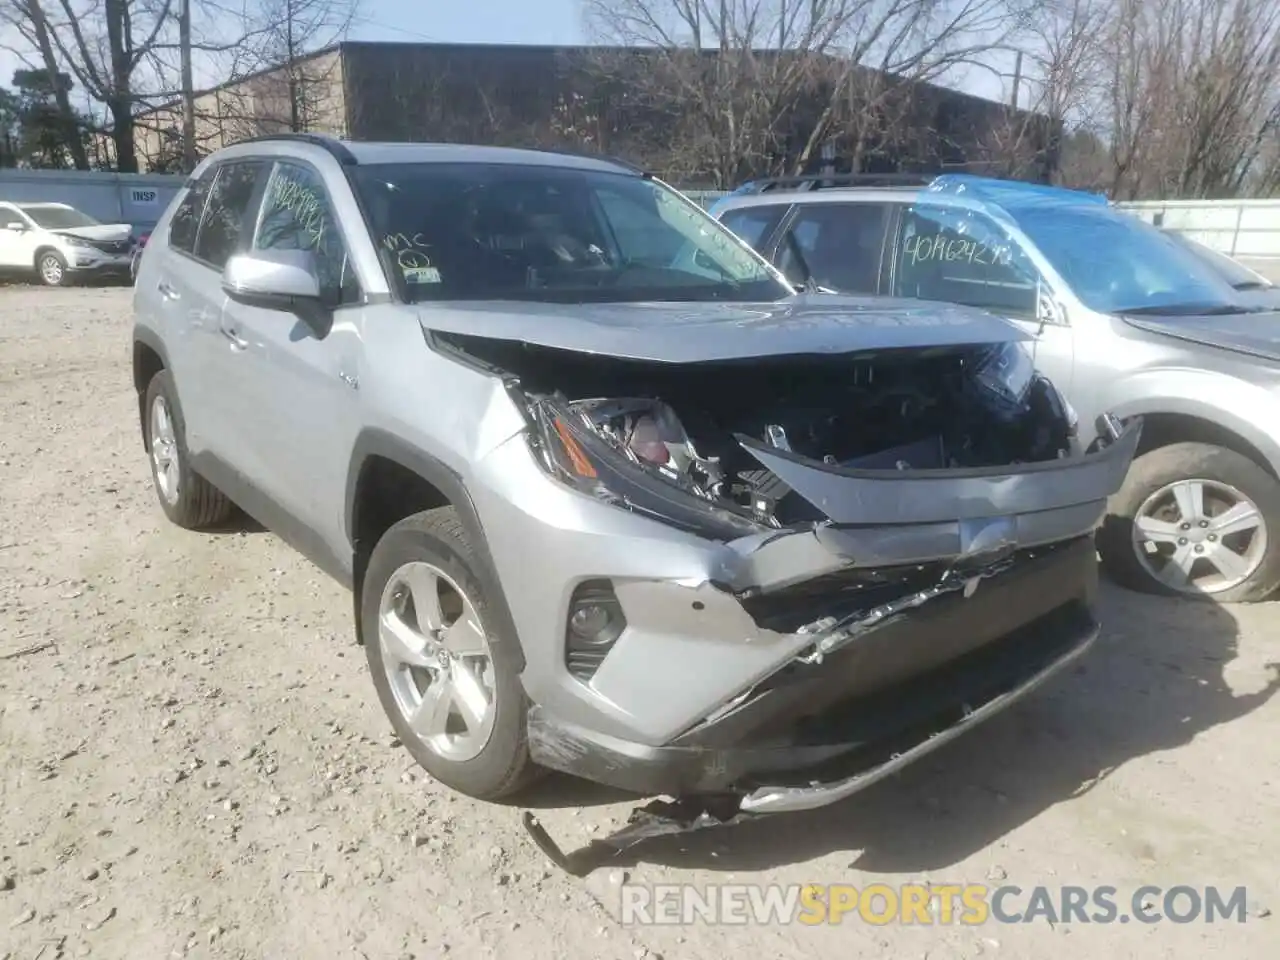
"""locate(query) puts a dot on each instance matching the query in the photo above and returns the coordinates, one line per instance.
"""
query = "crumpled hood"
(1255, 334)
(691, 332)
(104, 231)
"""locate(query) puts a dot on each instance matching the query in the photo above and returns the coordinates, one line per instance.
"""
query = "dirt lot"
(197, 766)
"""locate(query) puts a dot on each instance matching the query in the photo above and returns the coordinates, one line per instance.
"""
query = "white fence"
(137, 199)
(1248, 229)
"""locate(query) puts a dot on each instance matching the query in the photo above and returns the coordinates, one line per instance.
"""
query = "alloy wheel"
(437, 660)
(51, 270)
(1199, 536)
(164, 449)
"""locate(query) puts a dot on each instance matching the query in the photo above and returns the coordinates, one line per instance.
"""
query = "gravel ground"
(195, 763)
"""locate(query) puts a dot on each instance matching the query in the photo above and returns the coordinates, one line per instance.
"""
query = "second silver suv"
(612, 497)
(1123, 318)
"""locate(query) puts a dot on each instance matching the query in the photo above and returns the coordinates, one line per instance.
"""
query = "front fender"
(1248, 410)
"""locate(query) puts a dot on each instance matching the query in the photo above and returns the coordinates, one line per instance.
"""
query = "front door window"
(960, 256)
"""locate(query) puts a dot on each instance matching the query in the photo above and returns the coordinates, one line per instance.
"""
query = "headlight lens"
(636, 458)
(77, 242)
(1006, 372)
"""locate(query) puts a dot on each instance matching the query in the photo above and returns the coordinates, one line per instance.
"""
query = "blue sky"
(472, 21)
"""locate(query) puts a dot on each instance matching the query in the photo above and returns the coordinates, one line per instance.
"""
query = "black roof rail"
(821, 181)
(333, 145)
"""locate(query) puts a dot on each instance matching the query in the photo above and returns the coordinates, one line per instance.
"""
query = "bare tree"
(27, 17)
(740, 69)
(1194, 97)
(1057, 68)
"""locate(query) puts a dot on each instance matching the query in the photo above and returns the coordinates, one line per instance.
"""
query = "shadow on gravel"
(239, 522)
(1153, 682)
(557, 791)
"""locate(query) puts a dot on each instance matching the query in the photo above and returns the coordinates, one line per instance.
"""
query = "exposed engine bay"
(910, 409)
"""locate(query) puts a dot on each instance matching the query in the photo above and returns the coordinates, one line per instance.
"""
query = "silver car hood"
(1254, 334)
(691, 332)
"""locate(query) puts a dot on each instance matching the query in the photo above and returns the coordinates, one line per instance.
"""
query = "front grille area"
(111, 246)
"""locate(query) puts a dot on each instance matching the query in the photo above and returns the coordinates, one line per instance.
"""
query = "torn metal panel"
(659, 818)
(792, 799)
(835, 634)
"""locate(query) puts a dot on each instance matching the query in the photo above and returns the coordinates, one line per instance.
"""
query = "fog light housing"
(594, 623)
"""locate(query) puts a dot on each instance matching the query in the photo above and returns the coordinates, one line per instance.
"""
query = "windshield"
(1116, 263)
(1236, 274)
(59, 218)
(529, 232)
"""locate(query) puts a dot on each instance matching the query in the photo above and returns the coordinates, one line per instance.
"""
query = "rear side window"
(186, 219)
(753, 224)
(227, 225)
(837, 245)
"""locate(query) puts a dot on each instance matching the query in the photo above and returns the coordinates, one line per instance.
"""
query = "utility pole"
(1017, 78)
(189, 156)
(295, 108)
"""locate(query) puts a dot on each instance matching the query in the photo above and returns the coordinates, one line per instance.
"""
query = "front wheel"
(52, 269)
(1195, 520)
(446, 674)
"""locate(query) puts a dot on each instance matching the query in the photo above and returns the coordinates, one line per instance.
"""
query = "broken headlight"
(1005, 374)
(635, 454)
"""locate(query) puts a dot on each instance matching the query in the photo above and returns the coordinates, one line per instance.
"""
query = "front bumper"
(709, 621)
(84, 262)
(816, 732)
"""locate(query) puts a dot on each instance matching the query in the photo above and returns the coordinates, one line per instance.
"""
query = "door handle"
(237, 342)
(168, 292)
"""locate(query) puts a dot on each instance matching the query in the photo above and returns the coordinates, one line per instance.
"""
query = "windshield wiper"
(1253, 285)
(1187, 310)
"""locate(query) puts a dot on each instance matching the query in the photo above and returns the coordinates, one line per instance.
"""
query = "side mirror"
(17, 226)
(273, 279)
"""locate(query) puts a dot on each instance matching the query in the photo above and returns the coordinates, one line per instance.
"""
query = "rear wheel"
(447, 676)
(188, 499)
(1195, 520)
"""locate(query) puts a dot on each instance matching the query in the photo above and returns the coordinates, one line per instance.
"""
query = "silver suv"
(612, 497)
(1125, 319)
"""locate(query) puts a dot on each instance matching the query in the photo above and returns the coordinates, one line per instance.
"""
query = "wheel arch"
(389, 479)
(41, 250)
(1180, 419)
(149, 358)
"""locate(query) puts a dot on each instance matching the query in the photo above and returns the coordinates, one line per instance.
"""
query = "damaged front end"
(904, 547)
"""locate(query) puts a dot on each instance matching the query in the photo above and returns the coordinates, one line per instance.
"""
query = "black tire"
(1184, 461)
(47, 276)
(198, 504)
(502, 767)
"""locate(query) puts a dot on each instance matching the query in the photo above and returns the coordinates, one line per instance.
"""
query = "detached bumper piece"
(816, 733)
